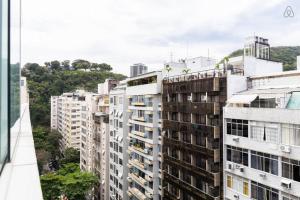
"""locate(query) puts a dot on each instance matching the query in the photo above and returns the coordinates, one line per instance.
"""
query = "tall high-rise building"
(138, 69)
(54, 112)
(118, 143)
(144, 149)
(65, 118)
(192, 143)
(262, 139)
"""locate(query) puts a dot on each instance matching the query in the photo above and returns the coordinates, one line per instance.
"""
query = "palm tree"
(186, 71)
(168, 69)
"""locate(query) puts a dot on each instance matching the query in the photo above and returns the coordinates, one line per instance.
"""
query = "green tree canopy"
(68, 181)
(71, 155)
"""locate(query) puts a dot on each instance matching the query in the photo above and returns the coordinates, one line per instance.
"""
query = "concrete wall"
(235, 83)
(254, 66)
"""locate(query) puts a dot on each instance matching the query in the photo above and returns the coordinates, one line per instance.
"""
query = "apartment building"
(66, 110)
(101, 140)
(54, 112)
(144, 137)
(88, 109)
(193, 121)
(118, 143)
(261, 139)
(192, 142)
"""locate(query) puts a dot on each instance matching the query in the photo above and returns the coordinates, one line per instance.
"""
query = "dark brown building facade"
(192, 141)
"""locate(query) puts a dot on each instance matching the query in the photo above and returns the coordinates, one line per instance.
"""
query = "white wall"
(254, 66)
(235, 83)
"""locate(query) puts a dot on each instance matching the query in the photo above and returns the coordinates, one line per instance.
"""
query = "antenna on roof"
(171, 56)
(208, 54)
(187, 49)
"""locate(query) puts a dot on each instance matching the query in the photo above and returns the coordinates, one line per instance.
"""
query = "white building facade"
(144, 162)
(118, 143)
(262, 139)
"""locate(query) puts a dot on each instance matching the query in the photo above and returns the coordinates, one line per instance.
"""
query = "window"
(289, 197)
(237, 155)
(237, 127)
(290, 134)
(264, 132)
(238, 184)
(262, 192)
(291, 169)
(264, 162)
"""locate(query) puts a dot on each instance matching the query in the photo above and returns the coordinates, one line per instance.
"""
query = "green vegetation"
(55, 79)
(71, 155)
(60, 174)
(68, 181)
(285, 54)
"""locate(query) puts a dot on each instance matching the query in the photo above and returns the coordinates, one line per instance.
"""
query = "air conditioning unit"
(242, 169)
(285, 148)
(236, 139)
(286, 184)
(189, 98)
(263, 175)
(230, 166)
(236, 196)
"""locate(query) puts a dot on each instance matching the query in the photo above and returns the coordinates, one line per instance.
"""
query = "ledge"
(20, 177)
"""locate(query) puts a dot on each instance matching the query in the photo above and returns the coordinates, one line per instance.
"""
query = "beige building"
(65, 118)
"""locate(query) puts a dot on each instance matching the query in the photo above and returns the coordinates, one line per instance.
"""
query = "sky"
(124, 32)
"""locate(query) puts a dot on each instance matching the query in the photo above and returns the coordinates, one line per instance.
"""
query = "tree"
(81, 64)
(51, 185)
(55, 65)
(71, 155)
(186, 71)
(66, 64)
(69, 181)
(168, 69)
(104, 67)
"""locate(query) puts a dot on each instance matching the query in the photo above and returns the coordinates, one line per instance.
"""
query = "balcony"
(20, 177)
(207, 176)
(137, 163)
(187, 188)
(138, 179)
(138, 194)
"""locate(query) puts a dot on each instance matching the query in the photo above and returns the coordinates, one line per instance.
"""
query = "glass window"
(290, 134)
(238, 184)
(264, 132)
(237, 155)
(291, 169)
(3, 82)
(237, 127)
(264, 162)
(263, 192)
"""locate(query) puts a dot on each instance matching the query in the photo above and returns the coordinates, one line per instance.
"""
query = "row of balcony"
(188, 86)
(200, 108)
(191, 148)
(204, 130)
(187, 189)
(207, 176)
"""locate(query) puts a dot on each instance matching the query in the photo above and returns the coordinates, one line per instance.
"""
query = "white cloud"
(123, 32)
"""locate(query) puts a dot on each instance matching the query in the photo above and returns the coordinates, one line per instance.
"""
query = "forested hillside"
(54, 78)
(285, 54)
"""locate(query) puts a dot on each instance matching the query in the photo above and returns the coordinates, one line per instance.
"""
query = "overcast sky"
(123, 32)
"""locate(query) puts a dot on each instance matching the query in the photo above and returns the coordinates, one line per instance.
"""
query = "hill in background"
(285, 54)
